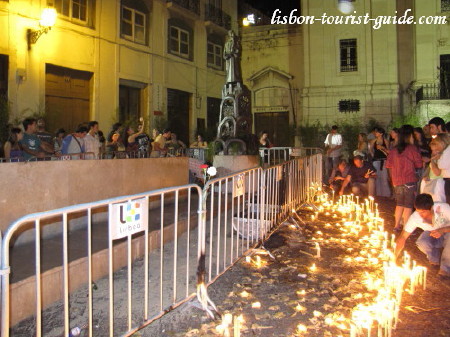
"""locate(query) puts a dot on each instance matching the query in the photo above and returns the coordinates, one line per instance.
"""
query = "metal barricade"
(69, 156)
(165, 279)
(275, 155)
(243, 208)
(198, 153)
(235, 214)
(232, 223)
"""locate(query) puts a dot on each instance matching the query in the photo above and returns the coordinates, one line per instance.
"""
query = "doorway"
(276, 124)
(178, 113)
(67, 98)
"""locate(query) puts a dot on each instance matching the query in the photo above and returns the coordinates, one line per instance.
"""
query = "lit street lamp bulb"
(345, 7)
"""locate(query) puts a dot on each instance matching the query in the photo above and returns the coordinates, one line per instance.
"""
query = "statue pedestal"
(230, 164)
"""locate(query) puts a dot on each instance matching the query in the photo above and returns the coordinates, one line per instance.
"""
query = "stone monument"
(235, 109)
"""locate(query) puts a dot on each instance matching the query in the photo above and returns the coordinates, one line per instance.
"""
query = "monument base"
(229, 164)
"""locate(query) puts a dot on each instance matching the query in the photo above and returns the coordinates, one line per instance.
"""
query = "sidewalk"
(23, 256)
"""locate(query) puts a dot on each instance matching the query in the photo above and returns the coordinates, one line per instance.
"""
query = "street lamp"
(249, 20)
(48, 19)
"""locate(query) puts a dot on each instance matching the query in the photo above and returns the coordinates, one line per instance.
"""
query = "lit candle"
(237, 325)
(317, 249)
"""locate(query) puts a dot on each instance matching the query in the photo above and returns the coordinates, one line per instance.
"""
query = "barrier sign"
(239, 186)
(128, 218)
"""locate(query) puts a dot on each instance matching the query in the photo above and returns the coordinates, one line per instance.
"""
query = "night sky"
(268, 6)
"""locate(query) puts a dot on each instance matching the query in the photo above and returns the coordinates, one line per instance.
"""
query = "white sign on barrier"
(239, 186)
(128, 218)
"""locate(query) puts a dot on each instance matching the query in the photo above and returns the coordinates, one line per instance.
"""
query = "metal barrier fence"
(159, 289)
(235, 213)
(198, 153)
(243, 208)
(277, 155)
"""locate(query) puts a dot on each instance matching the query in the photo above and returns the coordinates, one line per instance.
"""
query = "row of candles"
(363, 217)
(380, 316)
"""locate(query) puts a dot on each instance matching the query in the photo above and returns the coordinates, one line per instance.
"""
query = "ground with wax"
(284, 295)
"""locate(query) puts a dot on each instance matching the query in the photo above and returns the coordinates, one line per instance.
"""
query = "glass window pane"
(184, 48)
(174, 46)
(139, 19)
(126, 14)
(139, 34)
(184, 36)
(75, 11)
(127, 28)
(219, 61)
(210, 58)
(210, 48)
(83, 14)
(174, 32)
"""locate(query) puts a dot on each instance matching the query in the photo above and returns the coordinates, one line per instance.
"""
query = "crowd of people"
(88, 142)
(412, 164)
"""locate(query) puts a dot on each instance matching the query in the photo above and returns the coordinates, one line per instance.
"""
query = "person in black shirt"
(361, 175)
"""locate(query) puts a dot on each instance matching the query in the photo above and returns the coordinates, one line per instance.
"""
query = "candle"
(424, 278)
(237, 325)
(256, 305)
(318, 249)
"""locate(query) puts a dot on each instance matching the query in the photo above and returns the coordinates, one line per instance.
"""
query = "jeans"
(330, 164)
(431, 247)
(364, 189)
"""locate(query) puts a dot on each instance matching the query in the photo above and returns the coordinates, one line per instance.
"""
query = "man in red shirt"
(402, 162)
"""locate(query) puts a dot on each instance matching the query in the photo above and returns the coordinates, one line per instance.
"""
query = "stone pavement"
(274, 299)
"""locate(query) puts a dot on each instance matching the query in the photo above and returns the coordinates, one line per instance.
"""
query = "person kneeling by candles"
(362, 176)
(434, 219)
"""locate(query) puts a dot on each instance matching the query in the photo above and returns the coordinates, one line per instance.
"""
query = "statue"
(235, 108)
(231, 54)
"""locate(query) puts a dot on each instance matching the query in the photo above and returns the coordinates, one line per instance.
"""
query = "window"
(349, 61)
(179, 41)
(343, 1)
(77, 10)
(214, 57)
(133, 25)
(349, 105)
(129, 103)
(445, 5)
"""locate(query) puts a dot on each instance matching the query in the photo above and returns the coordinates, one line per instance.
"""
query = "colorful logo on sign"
(131, 213)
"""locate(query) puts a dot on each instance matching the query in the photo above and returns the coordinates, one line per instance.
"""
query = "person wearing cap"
(362, 177)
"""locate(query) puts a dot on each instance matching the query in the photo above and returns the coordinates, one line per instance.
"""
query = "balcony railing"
(190, 5)
(218, 16)
(433, 91)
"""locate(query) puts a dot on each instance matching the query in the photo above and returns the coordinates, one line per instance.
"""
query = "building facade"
(336, 71)
(116, 60)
